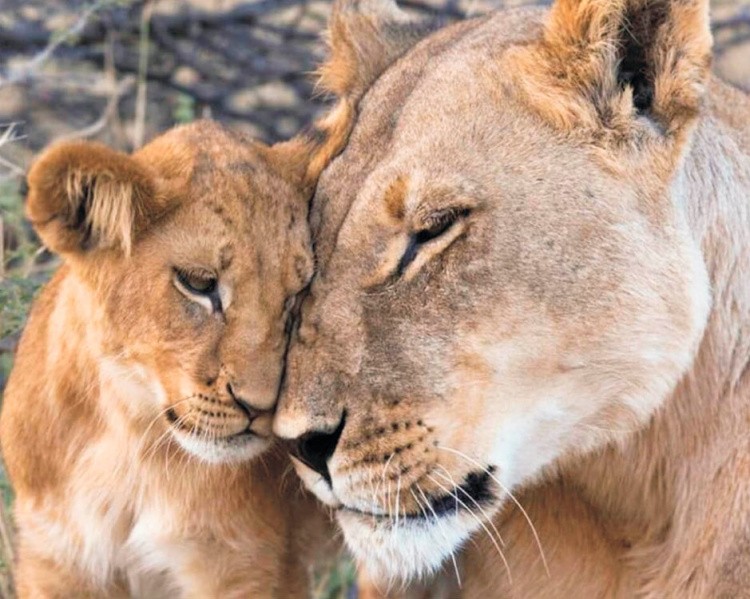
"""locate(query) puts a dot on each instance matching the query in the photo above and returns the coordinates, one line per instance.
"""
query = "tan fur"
(131, 458)
(365, 37)
(581, 328)
(116, 194)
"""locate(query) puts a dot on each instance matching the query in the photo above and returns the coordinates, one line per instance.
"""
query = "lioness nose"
(316, 448)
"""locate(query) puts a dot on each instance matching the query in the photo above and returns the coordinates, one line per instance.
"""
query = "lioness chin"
(144, 383)
(532, 266)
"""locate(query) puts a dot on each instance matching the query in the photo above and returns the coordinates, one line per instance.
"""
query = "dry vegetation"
(121, 71)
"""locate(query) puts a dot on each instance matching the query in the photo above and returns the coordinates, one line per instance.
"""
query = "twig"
(111, 71)
(9, 136)
(120, 89)
(12, 167)
(140, 101)
(6, 532)
(2, 248)
(6, 543)
(28, 70)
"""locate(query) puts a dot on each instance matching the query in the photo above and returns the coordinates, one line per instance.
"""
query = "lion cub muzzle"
(216, 418)
(218, 425)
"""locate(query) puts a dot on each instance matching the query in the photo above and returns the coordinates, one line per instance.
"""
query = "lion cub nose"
(315, 449)
(251, 412)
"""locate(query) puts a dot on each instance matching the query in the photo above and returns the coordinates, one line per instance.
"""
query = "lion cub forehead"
(229, 174)
(202, 152)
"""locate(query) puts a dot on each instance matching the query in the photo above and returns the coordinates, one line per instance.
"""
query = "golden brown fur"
(138, 403)
(532, 277)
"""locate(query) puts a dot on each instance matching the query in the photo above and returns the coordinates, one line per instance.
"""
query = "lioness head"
(505, 274)
(188, 254)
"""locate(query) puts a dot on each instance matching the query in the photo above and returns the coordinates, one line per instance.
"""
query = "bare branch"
(29, 70)
(9, 136)
(120, 89)
(140, 102)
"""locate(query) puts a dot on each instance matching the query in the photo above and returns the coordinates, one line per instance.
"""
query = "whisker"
(166, 456)
(152, 448)
(398, 498)
(156, 418)
(382, 480)
(451, 480)
(513, 498)
(168, 446)
(372, 491)
(153, 421)
(482, 524)
(441, 527)
(170, 440)
(285, 477)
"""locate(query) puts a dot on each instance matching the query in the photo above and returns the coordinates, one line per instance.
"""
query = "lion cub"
(145, 380)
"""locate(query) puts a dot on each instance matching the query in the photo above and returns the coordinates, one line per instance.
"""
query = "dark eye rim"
(185, 275)
(439, 224)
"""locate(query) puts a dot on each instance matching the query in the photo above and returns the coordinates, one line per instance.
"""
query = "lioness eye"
(436, 225)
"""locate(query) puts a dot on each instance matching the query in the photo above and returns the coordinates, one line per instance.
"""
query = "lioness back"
(145, 380)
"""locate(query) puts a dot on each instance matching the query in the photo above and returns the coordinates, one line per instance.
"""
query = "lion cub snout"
(218, 416)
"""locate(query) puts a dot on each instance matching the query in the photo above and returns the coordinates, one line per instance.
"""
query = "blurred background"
(121, 71)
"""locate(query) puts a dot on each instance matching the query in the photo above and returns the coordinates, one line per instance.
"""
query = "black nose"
(315, 448)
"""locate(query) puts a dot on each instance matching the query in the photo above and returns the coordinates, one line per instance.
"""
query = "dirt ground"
(121, 71)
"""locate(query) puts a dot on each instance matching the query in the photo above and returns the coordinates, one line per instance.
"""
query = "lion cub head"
(506, 277)
(187, 254)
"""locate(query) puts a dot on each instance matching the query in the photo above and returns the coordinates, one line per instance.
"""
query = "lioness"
(533, 264)
(146, 377)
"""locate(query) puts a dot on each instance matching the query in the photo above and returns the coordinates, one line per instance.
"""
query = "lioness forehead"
(401, 109)
(567, 225)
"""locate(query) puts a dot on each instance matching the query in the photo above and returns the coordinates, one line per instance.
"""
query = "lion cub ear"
(85, 196)
(603, 63)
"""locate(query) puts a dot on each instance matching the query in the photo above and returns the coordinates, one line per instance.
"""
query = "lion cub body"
(146, 375)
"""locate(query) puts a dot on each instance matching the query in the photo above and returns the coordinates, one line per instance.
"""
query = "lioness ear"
(304, 157)
(85, 196)
(365, 37)
(603, 62)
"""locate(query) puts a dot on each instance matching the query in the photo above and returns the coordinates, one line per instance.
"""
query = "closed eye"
(437, 225)
(199, 286)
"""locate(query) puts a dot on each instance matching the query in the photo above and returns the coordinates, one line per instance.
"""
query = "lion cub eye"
(436, 225)
(197, 283)
(200, 286)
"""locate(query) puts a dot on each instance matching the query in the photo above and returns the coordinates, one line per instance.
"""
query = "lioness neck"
(671, 492)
